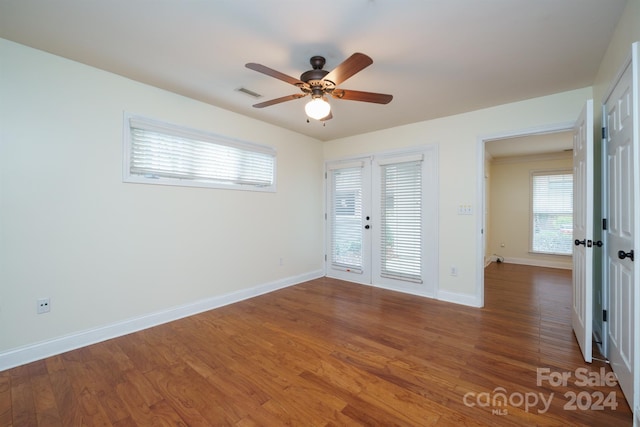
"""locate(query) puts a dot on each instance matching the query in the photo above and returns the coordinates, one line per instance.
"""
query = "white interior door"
(382, 221)
(582, 307)
(622, 121)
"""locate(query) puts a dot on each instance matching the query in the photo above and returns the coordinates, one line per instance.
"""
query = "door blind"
(346, 214)
(401, 221)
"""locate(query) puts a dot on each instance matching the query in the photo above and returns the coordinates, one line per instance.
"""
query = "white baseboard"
(457, 298)
(22, 355)
(537, 263)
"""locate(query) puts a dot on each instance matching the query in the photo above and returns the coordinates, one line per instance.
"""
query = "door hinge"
(325, 216)
(604, 315)
(325, 257)
(325, 175)
(604, 132)
(604, 223)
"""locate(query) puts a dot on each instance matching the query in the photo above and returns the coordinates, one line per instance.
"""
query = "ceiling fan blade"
(356, 95)
(279, 100)
(352, 65)
(273, 73)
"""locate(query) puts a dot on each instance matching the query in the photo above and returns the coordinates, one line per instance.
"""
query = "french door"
(349, 221)
(381, 221)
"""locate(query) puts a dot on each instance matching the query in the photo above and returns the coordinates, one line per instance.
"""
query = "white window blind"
(346, 214)
(552, 216)
(162, 153)
(401, 222)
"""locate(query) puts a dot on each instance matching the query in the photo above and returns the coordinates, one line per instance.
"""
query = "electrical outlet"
(465, 210)
(44, 305)
(454, 270)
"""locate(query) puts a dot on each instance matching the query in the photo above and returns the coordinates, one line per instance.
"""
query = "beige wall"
(107, 252)
(510, 202)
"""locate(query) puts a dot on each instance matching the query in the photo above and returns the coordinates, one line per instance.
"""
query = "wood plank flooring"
(330, 353)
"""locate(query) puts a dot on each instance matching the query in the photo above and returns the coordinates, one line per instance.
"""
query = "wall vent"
(249, 92)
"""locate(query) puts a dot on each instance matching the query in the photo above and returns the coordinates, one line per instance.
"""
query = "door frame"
(481, 189)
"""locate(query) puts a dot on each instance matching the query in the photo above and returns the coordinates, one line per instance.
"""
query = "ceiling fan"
(318, 83)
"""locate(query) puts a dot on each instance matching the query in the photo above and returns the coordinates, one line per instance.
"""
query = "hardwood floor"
(329, 353)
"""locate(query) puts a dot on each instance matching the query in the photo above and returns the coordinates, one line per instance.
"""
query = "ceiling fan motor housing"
(315, 78)
(315, 74)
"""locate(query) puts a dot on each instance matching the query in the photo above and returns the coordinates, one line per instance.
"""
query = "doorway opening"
(543, 145)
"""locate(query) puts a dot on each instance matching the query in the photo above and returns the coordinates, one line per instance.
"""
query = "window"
(162, 153)
(552, 216)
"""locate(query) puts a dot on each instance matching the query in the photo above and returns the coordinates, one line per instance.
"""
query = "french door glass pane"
(401, 222)
(346, 251)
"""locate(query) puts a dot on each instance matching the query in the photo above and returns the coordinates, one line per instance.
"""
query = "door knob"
(623, 255)
(366, 226)
(580, 242)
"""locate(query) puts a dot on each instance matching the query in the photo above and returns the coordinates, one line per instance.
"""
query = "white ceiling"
(437, 57)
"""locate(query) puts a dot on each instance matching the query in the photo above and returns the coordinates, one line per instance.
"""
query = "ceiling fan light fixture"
(317, 108)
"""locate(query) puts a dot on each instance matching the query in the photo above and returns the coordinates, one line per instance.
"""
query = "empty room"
(365, 212)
